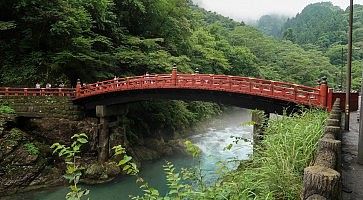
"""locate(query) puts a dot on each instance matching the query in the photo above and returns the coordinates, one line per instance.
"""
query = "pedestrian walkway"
(351, 170)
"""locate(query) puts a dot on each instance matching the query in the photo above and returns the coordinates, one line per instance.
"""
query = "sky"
(250, 10)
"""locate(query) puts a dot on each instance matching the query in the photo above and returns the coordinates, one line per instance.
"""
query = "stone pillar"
(103, 134)
(322, 181)
(103, 140)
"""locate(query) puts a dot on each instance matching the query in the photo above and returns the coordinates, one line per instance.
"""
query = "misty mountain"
(271, 24)
(321, 24)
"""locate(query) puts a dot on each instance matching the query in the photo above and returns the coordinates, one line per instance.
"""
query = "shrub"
(31, 149)
(4, 109)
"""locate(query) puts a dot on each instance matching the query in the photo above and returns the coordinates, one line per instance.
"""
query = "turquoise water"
(212, 143)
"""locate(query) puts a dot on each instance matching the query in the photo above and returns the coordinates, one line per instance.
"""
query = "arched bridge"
(253, 93)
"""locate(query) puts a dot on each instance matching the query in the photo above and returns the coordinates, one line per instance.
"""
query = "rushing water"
(212, 143)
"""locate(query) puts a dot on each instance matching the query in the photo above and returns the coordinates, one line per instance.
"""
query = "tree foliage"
(324, 27)
(61, 41)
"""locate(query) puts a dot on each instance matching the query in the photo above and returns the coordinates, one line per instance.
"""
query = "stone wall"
(322, 180)
(42, 106)
(26, 160)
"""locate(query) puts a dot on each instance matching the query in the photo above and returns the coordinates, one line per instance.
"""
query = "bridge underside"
(240, 100)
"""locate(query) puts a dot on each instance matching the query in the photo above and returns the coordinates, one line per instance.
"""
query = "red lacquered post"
(323, 92)
(330, 99)
(174, 75)
(78, 88)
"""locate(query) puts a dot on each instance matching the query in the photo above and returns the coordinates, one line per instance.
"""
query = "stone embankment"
(322, 180)
(26, 160)
(42, 106)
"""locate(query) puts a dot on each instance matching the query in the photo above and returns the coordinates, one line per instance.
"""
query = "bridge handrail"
(9, 91)
(300, 94)
(276, 89)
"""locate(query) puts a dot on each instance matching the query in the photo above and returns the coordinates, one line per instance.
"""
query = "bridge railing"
(7, 91)
(274, 89)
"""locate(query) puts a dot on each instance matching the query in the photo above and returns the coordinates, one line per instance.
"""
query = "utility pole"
(360, 142)
(349, 68)
(341, 71)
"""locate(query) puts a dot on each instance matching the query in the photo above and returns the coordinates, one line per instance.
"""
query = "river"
(212, 142)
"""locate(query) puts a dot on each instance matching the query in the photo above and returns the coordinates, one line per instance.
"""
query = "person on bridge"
(116, 81)
(146, 77)
(48, 85)
(37, 85)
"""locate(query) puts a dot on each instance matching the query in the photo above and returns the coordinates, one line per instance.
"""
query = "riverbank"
(276, 168)
(211, 140)
(27, 162)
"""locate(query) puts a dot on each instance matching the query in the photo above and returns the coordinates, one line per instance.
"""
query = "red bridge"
(242, 91)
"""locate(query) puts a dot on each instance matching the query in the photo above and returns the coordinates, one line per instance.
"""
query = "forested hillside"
(60, 41)
(94, 40)
(321, 24)
(324, 27)
(272, 24)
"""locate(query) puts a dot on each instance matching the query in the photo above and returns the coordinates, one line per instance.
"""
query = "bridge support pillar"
(260, 119)
(107, 115)
(103, 134)
(103, 140)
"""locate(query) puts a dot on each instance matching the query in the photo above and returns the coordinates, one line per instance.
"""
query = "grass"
(276, 169)
(275, 172)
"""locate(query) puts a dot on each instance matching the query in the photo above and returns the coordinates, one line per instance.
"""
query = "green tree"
(289, 35)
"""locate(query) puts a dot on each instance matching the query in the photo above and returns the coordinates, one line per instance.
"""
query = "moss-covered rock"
(100, 173)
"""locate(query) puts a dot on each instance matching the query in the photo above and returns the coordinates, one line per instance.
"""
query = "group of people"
(48, 85)
(61, 85)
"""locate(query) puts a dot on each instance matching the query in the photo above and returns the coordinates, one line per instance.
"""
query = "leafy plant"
(73, 171)
(125, 163)
(15, 134)
(179, 183)
(179, 188)
(4, 109)
(31, 149)
(192, 149)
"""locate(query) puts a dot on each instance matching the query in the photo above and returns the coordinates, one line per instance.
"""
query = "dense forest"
(63, 40)
(60, 41)
(95, 40)
(323, 27)
(271, 24)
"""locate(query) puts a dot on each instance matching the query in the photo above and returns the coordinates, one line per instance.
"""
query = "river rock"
(100, 173)
(61, 130)
(21, 157)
